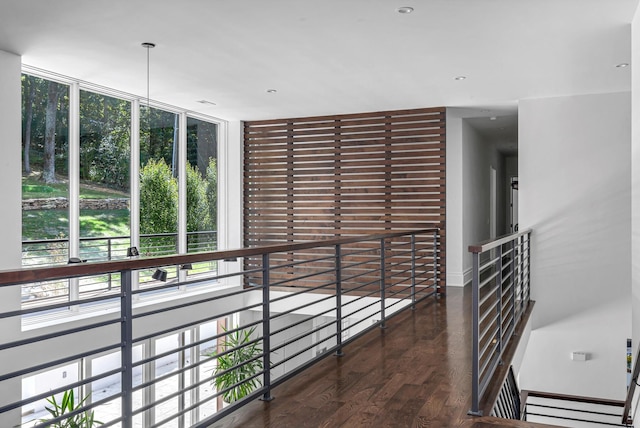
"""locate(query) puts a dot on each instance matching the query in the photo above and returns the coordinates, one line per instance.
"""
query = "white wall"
(469, 158)
(455, 269)
(230, 185)
(476, 161)
(575, 192)
(10, 170)
(11, 212)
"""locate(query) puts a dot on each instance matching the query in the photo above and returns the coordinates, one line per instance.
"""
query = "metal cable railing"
(48, 252)
(173, 352)
(543, 407)
(500, 297)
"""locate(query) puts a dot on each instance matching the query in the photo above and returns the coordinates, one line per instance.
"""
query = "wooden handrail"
(483, 246)
(25, 275)
(574, 398)
(632, 388)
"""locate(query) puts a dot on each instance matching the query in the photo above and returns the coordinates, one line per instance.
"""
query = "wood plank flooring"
(414, 373)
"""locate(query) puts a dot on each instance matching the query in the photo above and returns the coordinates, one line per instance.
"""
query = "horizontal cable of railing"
(50, 252)
(46, 252)
(171, 351)
(545, 407)
(500, 296)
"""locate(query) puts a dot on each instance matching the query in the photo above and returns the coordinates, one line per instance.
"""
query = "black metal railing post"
(521, 275)
(109, 258)
(413, 271)
(475, 332)
(499, 278)
(436, 287)
(126, 332)
(339, 352)
(512, 275)
(382, 283)
(528, 267)
(266, 328)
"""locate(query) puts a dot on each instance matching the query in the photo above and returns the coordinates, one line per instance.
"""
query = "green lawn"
(33, 188)
(49, 224)
(104, 223)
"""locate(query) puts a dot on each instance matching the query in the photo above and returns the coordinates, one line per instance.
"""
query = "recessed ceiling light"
(405, 9)
(622, 65)
(492, 118)
(271, 91)
(460, 77)
(206, 102)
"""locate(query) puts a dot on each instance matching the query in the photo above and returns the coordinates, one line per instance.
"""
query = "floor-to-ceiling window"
(91, 169)
(105, 152)
(158, 181)
(202, 192)
(85, 167)
(45, 180)
(45, 170)
(104, 183)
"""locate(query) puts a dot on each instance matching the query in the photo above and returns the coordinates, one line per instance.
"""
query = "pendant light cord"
(148, 46)
(148, 74)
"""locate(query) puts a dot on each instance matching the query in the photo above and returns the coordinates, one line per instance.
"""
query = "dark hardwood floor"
(414, 373)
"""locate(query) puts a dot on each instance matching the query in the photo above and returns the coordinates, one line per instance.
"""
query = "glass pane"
(42, 382)
(109, 386)
(202, 183)
(158, 182)
(171, 384)
(105, 141)
(45, 178)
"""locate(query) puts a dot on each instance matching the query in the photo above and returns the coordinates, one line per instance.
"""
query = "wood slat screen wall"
(323, 177)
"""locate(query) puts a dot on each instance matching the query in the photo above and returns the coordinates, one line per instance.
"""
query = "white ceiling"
(328, 56)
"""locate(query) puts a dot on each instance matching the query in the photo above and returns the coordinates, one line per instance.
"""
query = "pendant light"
(148, 46)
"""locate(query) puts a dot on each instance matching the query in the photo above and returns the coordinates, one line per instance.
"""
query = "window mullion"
(134, 185)
(74, 183)
(182, 189)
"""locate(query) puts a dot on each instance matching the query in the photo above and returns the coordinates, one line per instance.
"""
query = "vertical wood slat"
(344, 175)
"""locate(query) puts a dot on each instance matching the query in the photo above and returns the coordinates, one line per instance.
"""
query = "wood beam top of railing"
(493, 243)
(25, 275)
(574, 398)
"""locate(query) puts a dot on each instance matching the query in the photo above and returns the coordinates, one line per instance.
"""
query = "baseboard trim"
(459, 279)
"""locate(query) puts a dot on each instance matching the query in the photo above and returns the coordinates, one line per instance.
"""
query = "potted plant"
(67, 405)
(238, 352)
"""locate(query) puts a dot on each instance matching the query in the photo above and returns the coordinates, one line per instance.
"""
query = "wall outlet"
(579, 356)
